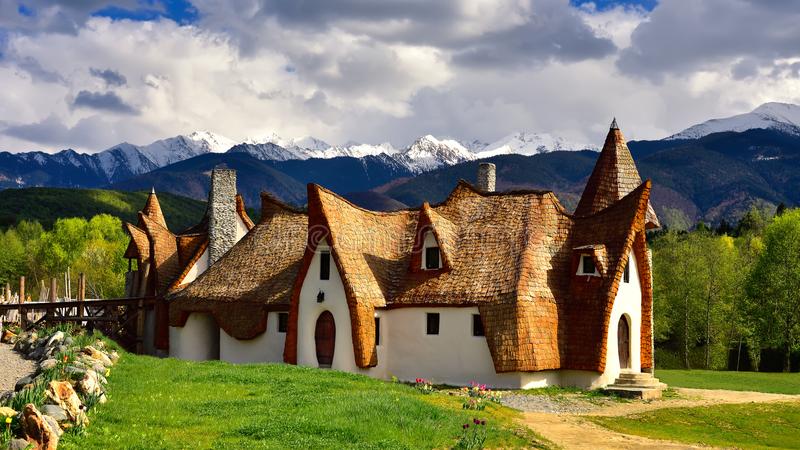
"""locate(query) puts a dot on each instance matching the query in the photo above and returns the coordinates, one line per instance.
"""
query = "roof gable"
(152, 209)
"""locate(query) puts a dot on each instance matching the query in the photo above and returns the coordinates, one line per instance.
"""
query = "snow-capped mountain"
(783, 117)
(525, 143)
(428, 153)
(267, 151)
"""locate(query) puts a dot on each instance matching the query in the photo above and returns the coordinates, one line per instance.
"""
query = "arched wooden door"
(624, 343)
(325, 338)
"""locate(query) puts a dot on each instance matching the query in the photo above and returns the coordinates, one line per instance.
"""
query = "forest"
(94, 247)
(729, 297)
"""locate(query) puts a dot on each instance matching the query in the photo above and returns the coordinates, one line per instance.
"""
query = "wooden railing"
(121, 319)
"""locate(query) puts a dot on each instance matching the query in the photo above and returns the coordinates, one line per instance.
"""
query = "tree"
(773, 286)
(753, 222)
(781, 209)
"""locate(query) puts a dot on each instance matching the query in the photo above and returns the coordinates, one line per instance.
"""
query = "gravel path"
(555, 404)
(12, 367)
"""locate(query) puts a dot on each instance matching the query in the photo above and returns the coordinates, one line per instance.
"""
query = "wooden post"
(22, 315)
(140, 327)
(81, 295)
(53, 289)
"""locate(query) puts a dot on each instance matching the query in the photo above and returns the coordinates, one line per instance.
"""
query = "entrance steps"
(637, 385)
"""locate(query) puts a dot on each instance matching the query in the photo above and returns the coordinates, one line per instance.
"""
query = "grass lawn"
(777, 383)
(753, 425)
(166, 403)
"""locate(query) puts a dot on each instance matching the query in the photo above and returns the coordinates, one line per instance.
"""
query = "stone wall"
(486, 177)
(221, 213)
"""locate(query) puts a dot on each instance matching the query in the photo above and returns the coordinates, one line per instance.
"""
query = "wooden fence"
(121, 319)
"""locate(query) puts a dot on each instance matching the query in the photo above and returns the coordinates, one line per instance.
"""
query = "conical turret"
(614, 176)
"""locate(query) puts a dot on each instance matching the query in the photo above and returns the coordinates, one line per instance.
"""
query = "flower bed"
(70, 380)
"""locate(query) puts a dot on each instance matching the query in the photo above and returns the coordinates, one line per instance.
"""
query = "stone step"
(637, 375)
(644, 393)
(637, 381)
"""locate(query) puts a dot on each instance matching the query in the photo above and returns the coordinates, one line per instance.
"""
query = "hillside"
(48, 204)
(192, 178)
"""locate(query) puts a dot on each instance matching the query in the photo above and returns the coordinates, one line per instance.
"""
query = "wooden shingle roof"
(255, 276)
(511, 254)
(614, 176)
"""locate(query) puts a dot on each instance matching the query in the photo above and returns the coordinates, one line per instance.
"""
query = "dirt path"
(12, 368)
(574, 431)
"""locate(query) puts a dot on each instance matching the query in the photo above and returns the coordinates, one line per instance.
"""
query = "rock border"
(70, 379)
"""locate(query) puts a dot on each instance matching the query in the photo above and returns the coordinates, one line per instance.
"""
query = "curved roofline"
(461, 184)
(269, 198)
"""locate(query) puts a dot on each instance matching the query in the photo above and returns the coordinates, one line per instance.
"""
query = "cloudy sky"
(88, 74)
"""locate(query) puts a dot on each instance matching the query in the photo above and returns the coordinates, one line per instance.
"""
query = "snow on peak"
(526, 143)
(428, 153)
(216, 143)
(778, 116)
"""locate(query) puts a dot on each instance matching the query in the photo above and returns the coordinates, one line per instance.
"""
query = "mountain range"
(711, 171)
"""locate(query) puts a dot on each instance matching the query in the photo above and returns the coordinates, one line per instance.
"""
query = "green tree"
(774, 286)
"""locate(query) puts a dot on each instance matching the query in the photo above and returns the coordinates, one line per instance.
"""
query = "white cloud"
(388, 70)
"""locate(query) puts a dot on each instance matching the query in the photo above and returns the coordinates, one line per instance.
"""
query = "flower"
(465, 426)
(483, 422)
(476, 421)
(8, 419)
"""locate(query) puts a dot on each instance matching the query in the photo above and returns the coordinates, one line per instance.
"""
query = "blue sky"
(604, 4)
(181, 11)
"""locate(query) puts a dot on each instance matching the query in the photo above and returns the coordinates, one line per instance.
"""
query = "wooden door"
(624, 343)
(325, 338)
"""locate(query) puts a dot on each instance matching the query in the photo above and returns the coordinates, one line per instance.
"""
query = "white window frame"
(430, 243)
(580, 266)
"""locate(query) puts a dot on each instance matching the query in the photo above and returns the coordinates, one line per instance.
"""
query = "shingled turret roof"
(614, 176)
(152, 209)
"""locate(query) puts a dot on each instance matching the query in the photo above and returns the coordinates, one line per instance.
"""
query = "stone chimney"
(486, 177)
(221, 213)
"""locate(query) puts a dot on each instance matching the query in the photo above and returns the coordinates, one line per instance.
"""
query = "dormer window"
(431, 257)
(587, 266)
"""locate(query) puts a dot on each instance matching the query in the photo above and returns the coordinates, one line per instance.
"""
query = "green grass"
(776, 383)
(752, 425)
(166, 403)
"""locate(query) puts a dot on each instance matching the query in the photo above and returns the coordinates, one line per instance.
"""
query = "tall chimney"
(221, 213)
(486, 177)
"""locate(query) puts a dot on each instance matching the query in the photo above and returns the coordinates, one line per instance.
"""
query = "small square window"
(477, 325)
(626, 275)
(431, 258)
(588, 264)
(325, 265)
(377, 331)
(432, 323)
(283, 322)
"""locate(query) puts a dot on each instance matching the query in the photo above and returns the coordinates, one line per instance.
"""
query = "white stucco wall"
(241, 228)
(335, 302)
(266, 347)
(629, 302)
(197, 340)
(199, 266)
